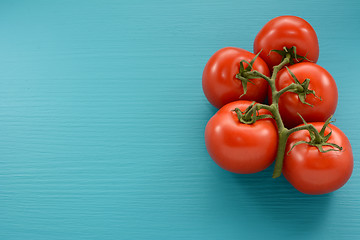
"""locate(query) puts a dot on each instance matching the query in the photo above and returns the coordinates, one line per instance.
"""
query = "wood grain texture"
(102, 121)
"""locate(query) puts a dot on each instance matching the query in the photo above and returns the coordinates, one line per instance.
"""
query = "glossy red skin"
(320, 81)
(238, 147)
(313, 172)
(220, 84)
(286, 31)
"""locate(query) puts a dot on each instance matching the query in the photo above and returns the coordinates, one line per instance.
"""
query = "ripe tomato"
(320, 81)
(286, 31)
(220, 84)
(239, 147)
(313, 172)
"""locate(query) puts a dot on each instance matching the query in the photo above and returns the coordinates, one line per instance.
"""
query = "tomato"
(239, 147)
(320, 81)
(313, 172)
(286, 31)
(220, 84)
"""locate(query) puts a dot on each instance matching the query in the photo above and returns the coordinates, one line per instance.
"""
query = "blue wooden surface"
(102, 118)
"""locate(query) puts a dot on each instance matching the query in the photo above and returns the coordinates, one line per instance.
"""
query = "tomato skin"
(313, 172)
(320, 81)
(238, 147)
(286, 31)
(219, 83)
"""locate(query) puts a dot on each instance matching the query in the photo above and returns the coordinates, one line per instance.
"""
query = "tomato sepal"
(293, 54)
(251, 114)
(244, 75)
(318, 139)
(301, 89)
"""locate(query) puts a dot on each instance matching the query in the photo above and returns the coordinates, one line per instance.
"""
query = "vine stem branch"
(283, 132)
(274, 109)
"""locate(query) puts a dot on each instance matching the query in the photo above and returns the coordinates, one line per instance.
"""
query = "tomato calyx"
(293, 54)
(317, 139)
(251, 113)
(301, 89)
(245, 75)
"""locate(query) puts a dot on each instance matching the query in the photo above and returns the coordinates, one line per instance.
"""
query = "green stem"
(280, 66)
(274, 109)
(283, 132)
(248, 115)
(309, 127)
(292, 86)
(263, 106)
(295, 129)
(283, 136)
(255, 73)
(275, 112)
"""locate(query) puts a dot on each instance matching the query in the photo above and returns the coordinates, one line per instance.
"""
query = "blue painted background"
(102, 118)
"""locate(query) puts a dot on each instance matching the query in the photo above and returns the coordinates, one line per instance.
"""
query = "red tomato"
(239, 147)
(313, 172)
(320, 81)
(220, 84)
(286, 31)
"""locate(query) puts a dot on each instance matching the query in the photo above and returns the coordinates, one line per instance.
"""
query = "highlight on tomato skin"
(286, 31)
(313, 172)
(219, 81)
(239, 147)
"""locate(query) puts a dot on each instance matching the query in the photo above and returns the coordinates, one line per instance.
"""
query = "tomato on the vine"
(313, 172)
(238, 147)
(245, 137)
(286, 31)
(219, 81)
(323, 104)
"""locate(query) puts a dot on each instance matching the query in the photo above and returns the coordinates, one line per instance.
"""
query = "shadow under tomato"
(273, 200)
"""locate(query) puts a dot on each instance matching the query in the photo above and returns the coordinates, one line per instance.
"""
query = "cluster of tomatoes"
(294, 128)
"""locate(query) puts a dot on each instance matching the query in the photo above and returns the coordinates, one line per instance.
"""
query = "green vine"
(250, 115)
